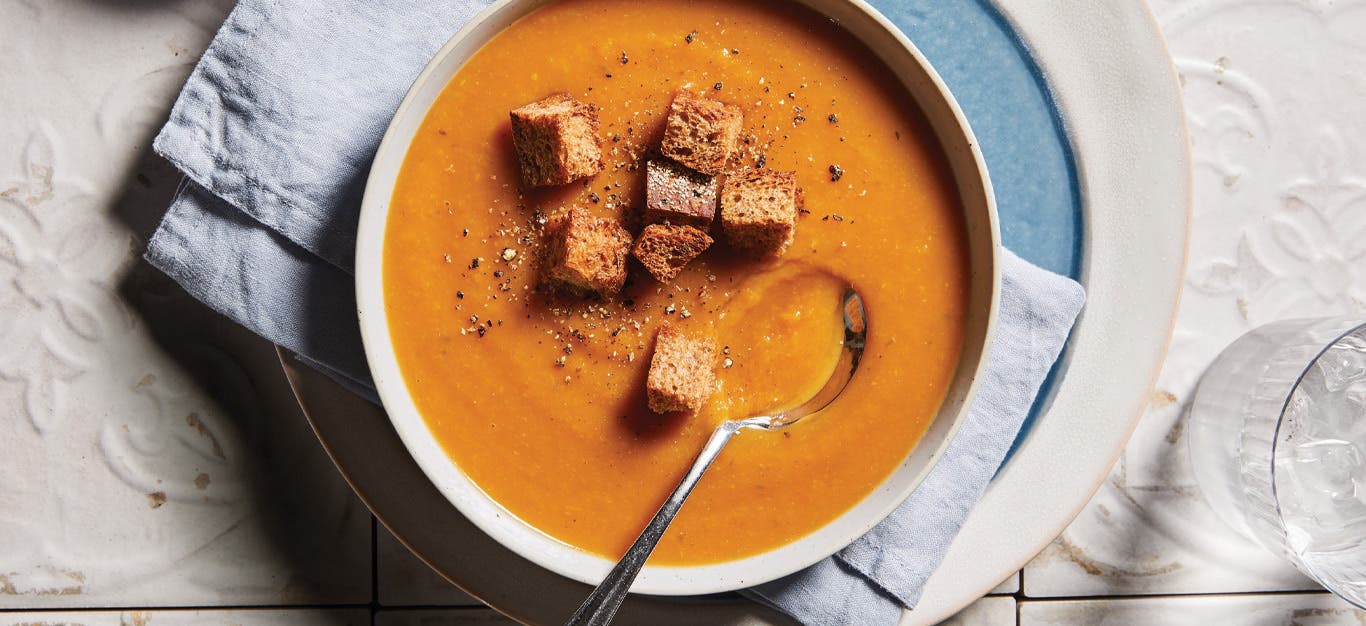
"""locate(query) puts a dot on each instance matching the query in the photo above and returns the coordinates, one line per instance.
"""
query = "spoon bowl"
(851, 352)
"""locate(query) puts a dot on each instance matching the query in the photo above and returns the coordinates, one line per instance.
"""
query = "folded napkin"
(275, 130)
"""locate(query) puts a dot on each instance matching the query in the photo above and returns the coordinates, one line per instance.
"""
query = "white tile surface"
(1273, 93)
(151, 457)
(989, 611)
(1244, 610)
(404, 580)
(125, 481)
(239, 617)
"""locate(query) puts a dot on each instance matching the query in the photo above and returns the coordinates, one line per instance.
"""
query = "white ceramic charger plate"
(1114, 85)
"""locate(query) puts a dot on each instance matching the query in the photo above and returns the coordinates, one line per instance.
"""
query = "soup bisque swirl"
(540, 397)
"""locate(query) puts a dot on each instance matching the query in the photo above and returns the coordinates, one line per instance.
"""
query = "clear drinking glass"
(1278, 445)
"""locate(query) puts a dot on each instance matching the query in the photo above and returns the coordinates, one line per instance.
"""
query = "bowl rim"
(518, 535)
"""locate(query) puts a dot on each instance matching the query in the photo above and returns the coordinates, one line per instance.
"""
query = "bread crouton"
(701, 133)
(556, 140)
(585, 254)
(759, 210)
(678, 195)
(681, 371)
(665, 248)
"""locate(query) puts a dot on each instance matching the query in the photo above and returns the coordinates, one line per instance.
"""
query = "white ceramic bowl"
(960, 148)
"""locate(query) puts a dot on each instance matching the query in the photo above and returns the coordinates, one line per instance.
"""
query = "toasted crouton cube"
(678, 195)
(681, 371)
(700, 133)
(556, 140)
(665, 248)
(585, 254)
(759, 210)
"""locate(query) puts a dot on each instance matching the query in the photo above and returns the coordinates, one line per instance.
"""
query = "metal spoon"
(603, 603)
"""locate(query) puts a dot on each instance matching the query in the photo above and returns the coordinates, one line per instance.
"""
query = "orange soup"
(540, 399)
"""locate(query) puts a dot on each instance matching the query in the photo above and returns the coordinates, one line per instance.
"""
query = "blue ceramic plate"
(1017, 124)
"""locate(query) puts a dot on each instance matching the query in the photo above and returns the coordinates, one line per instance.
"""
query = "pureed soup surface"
(540, 399)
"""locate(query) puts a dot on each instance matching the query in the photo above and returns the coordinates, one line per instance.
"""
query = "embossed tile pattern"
(152, 454)
(1273, 92)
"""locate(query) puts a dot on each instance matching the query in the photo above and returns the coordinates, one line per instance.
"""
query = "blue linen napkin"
(275, 129)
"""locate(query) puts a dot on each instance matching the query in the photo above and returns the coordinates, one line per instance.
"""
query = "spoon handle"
(603, 603)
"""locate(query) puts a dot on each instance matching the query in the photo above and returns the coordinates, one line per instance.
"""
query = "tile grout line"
(1176, 596)
(471, 608)
(1019, 596)
(474, 608)
(374, 568)
(184, 607)
(241, 607)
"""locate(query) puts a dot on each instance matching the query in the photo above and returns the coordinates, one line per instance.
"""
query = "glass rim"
(1276, 442)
